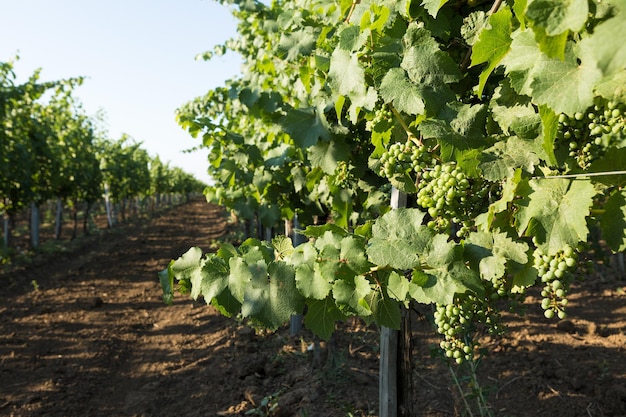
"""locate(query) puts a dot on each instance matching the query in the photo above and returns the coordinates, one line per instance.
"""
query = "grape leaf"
(558, 16)
(613, 87)
(433, 6)
(352, 293)
(271, 296)
(613, 223)
(352, 253)
(385, 310)
(311, 282)
(326, 154)
(554, 211)
(188, 267)
(351, 38)
(490, 253)
(458, 128)
(321, 317)
(566, 86)
(398, 238)
(346, 77)
(296, 43)
(612, 161)
(214, 278)
(606, 44)
(306, 126)
(428, 67)
(494, 42)
(520, 62)
(513, 112)
(425, 62)
(239, 277)
(396, 88)
(506, 156)
(398, 286)
(445, 275)
(166, 278)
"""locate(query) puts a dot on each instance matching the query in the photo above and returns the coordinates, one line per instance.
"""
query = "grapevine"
(503, 126)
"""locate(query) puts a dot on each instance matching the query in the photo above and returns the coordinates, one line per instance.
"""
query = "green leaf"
(396, 88)
(385, 310)
(166, 278)
(514, 113)
(352, 253)
(352, 293)
(558, 16)
(296, 43)
(239, 277)
(214, 278)
(398, 287)
(566, 86)
(446, 274)
(612, 161)
(521, 61)
(491, 253)
(271, 296)
(306, 126)
(505, 157)
(433, 6)
(554, 211)
(493, 44)
(310, 281)
(326, 155)
(398, 239)
(613, 87)
(188, 267)
(459, 128)
(351, 38)
(321, 317)
(605, 44)
(346, 77)
(283, 247)
(613, 221)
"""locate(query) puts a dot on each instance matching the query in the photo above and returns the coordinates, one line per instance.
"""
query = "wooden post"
(388, 371)
(107, 205)
(295, 324)
(34, 225)
(59, 218)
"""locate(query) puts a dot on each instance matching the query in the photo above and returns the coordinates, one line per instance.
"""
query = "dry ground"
(94, 339)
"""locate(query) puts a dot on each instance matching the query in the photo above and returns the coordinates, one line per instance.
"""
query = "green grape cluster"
(344, 176)
(457, 323)
(587, 135)
(450, 198)
(403, 158)
(556, 273)
(382, 115)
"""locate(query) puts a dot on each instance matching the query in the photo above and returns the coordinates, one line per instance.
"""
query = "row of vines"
(503, 124)
(50, 150)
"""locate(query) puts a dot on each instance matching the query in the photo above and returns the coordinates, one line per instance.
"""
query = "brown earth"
(94, 339)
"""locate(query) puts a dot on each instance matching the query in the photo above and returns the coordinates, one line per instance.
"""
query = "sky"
(138, 57)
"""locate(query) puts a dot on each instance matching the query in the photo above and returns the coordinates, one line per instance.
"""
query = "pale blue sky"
(138, 55)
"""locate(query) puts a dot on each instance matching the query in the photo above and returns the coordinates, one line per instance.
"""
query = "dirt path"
(96, 340)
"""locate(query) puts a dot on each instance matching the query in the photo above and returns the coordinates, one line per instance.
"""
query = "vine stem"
(588, 174)
(466, 59)
(458, 386)
(352, 7)
(400, 119)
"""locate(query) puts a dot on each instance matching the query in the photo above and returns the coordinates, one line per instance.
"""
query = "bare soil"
(94, 339)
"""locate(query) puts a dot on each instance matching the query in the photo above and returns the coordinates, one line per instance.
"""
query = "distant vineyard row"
(50, 150)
